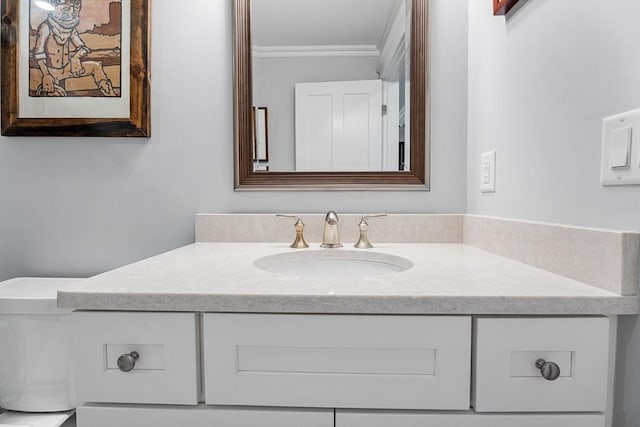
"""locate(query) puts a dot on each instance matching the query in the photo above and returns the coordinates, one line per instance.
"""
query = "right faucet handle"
(363, 241)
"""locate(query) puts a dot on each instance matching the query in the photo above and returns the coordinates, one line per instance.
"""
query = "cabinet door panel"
(95, 415)
(354, 418)
(399, 362)
(506, 379)
(166, 371)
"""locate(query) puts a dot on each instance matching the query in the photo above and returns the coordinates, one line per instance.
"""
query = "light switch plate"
(488, 172)
(621, 149)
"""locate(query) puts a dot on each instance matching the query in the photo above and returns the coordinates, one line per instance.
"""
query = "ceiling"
(321, 22)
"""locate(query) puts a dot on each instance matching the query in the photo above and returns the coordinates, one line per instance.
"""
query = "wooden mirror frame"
(248, 179)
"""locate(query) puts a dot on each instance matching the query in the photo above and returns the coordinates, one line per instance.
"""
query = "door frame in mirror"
(248, 179)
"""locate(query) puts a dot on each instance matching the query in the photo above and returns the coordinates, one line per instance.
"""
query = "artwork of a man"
(59, 48)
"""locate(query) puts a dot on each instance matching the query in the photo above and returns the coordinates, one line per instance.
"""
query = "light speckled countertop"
(446, 279)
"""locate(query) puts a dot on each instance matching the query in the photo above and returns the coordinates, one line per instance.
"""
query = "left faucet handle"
(299, 242)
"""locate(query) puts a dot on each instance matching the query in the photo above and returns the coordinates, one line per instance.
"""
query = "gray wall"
(274, 88)
(539, 86)
(76, 207)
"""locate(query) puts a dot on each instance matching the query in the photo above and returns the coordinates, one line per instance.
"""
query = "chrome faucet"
(331, 234)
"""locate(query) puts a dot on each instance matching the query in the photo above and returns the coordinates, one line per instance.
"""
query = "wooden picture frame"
(502, 7)
(137, 120)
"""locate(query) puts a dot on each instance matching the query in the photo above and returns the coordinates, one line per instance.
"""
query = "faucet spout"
(331, 233)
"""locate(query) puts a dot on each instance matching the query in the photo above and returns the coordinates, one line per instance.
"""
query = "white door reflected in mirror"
(339, 126)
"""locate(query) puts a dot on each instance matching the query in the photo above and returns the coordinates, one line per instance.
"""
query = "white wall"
(75, 207)
(274, 87)
(540, 84)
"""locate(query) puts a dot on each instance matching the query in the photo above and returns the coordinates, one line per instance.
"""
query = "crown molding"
(315, 51)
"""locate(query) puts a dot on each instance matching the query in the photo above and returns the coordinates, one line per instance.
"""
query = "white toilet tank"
(35, 347)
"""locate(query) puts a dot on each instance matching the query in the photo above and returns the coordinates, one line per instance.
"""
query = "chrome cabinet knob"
(550, 371)
(127, 362)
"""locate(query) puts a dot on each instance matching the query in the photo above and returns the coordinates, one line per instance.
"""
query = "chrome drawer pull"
(127, 362)
(550, 371)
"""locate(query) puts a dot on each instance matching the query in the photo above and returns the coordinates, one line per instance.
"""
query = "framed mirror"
(345, 85)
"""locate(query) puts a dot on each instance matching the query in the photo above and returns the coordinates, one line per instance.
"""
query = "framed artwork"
(260, 134)
(76, 68)
(502, 7)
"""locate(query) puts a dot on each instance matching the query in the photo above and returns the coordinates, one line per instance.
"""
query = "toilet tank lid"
(32, 295)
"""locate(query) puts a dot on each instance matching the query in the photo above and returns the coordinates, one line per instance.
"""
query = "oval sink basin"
(334, 263)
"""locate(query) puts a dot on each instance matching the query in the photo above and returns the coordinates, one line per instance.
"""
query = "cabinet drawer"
(356, 418)
(506, 378)
(96, 415)
(165, 372)
(398, 362)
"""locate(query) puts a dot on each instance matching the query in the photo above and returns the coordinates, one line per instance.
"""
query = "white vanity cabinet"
(313, 370)
(453, 341)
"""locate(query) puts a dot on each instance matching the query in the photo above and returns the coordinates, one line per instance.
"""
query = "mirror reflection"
(331, 85)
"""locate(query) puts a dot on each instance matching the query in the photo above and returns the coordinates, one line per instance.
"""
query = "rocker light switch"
(621, 144)
(620, 148)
